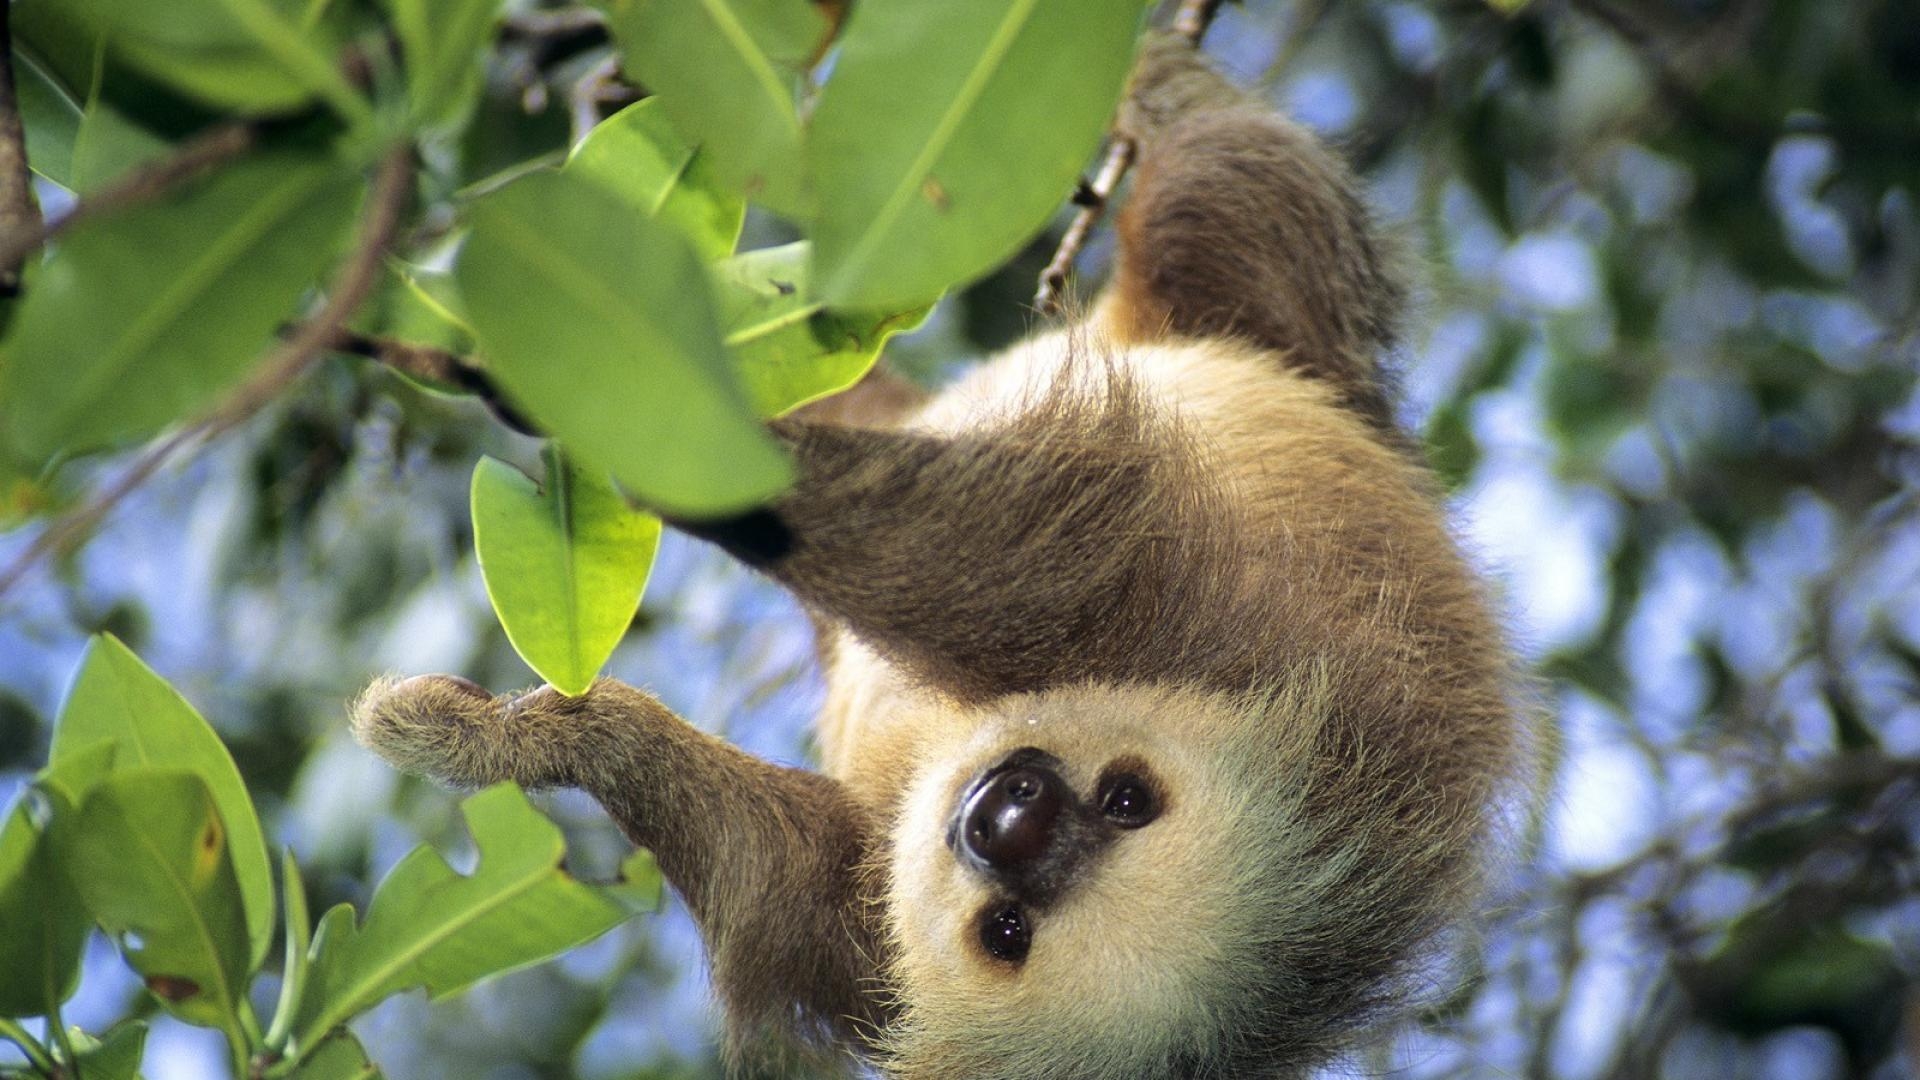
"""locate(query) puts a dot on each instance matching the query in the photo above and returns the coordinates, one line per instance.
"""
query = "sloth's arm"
(769, 860)
(1241, 224)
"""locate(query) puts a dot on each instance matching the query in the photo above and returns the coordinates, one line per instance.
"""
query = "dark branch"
(205, 151)
(19, 211)
(279, 369)
(1190, 22)
(429, 364)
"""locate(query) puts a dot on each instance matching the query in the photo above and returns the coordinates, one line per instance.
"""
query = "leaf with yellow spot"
(147, 854)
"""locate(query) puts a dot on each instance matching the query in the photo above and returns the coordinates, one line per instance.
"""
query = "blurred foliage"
(1665, 360)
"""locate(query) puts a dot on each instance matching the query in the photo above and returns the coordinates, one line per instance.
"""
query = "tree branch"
(19, 211)
(437, 365)
(204, 151)
(1190, 21)
(280, 368)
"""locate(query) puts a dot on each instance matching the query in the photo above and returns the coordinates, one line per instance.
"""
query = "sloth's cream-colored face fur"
(1133, 959)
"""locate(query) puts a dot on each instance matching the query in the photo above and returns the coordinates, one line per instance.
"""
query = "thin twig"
(1189, 22)
(19, 211)
(436, 365)
(281, 367)
(556, 22)
(588, 92)
(209, 149)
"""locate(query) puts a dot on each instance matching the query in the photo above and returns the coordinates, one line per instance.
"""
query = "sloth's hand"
(456, 732)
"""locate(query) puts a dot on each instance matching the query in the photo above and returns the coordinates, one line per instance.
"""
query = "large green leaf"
(45, 926)
(429, 926)
(725, 72)
(147, 854)
(950, 133)
(787, 348)
(249, 55)
(117, 699)
(565, 562)
(444, 42)
(635, 154)
(598, 322)
(142, 317)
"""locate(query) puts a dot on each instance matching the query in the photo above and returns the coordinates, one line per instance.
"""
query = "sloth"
(1167, 731)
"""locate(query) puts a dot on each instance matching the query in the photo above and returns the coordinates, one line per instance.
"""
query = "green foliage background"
(1665, 358)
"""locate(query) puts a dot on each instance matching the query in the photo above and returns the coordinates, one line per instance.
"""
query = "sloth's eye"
(1128, 801)
(1005, 935)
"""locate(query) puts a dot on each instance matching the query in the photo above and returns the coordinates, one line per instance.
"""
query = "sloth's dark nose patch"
(1009, 819)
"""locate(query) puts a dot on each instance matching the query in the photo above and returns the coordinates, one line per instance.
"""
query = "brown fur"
(1183, 534)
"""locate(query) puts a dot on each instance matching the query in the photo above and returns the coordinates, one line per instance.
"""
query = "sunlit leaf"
(565, 561)
(140, 318)
(148, 855)
(726, 72)
(599, 324)
(950, 133)
(787, 348)
(429, 926)
(117, 699)
(298, 939)
(636, 154)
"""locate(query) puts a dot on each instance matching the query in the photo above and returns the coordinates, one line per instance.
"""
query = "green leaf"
(260, 56)
(429, 926)
(117, 699)
(148, 856)
(340, 1057)
(635, 154)
(725, 72)
(598, 322)
(565, 563)
(787, 349)
(46, 928)
(950, 133)
(108, 146)
(444, 42)
(293, 971)
(51, 117)
(116, 1057)
(142, 317)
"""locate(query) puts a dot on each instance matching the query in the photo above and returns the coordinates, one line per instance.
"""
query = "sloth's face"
(1079, 852)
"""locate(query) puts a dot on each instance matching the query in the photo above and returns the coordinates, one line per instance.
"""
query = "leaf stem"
(205, 151)
(37, 1053)
(58, 1027)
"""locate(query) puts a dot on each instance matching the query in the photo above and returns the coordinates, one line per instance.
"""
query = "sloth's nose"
(1010, 820)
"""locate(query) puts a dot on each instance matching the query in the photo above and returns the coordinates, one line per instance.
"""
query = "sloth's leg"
(770, 861)
(1241, 224)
